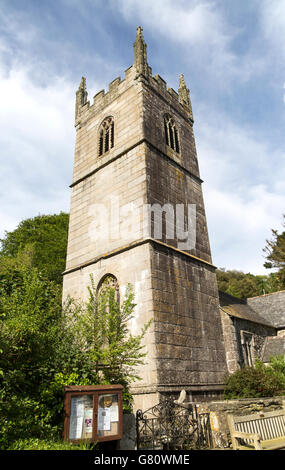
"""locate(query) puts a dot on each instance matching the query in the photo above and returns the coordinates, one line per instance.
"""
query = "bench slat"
(278, 425)
(270, 426)
(273, 444)
(267, 414)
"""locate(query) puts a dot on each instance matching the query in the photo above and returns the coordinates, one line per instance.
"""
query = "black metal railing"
(170, 426)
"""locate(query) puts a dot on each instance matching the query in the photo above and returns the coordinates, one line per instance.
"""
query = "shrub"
(44, 347)
(256, 382)
(278, 363)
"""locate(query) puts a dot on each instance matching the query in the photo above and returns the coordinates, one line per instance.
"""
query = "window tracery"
(106, 135)
(171, 133)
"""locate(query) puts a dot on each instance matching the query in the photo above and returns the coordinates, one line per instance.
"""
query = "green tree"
(44, 347)
(242, 285)
(100, 329)
(275, 255)
(29, 313)
(45, 236)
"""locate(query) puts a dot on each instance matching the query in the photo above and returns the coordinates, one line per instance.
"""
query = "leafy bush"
(44, 347)
(256, 382)
(278, 363)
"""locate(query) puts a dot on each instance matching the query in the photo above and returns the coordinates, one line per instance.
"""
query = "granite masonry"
(252, 327)
(135, 148)
(137, 214)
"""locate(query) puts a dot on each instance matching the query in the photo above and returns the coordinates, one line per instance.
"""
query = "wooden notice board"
(93, 413)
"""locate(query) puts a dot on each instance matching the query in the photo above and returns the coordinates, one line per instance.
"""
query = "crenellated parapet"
(140, 72)
(180, 100)
(102, 99)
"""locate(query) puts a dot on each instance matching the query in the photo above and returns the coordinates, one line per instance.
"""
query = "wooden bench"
(258, 431)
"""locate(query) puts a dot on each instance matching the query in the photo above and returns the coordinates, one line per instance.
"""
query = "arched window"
(106, 135)
(171, 133)
(108, 312)
(109, 282)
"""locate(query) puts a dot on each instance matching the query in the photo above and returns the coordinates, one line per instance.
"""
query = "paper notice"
(104, 419)
(114, 413)
(75, 429)
(77, 406)
(81, 416)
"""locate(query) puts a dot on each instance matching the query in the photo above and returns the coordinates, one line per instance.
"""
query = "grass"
(49, 444)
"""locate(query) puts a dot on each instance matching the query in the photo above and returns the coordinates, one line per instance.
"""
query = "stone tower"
(137, 213)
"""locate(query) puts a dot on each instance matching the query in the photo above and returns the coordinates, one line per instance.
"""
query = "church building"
(137, 216)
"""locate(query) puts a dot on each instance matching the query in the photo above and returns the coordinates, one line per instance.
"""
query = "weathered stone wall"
(120, 184)
(129, 440)
(219, 409)
(167, 183)
(232, 327)
(178, 291)
(158, 101)
(189, 342)
(260, 332)
(230, 341)
(129, 266)
(123, 102)
(173, 177)
(190, 351)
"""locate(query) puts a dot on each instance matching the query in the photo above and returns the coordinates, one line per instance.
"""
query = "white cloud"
(10, 23)
(272, 13)
(197, 24)
(203, 35)
(236, 155)
(244, 174)
(239, 229)
(244, 190)
(33, 112)
(36, 146)
(192, 22)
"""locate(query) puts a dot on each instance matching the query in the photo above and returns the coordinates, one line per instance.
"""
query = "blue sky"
(232, 55)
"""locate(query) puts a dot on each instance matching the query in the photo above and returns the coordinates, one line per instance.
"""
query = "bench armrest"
(248, 435)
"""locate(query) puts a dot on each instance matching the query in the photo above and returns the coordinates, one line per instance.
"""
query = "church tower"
(137, 214)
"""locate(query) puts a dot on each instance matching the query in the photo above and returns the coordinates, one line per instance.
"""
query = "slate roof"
(274, 346)
(227, 299)
(270, 307)
(240, 309)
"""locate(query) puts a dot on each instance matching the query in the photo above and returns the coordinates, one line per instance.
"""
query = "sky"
(232, 55)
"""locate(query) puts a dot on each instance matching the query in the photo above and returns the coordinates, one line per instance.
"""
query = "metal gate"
(170, 426)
